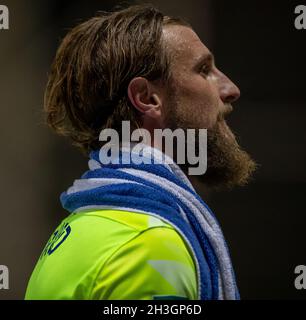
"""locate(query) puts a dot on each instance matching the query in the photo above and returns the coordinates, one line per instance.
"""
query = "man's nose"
(228, 91)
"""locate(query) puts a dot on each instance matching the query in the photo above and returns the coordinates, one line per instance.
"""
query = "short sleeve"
(155, 264)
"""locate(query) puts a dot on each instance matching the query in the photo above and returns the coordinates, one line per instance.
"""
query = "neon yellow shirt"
(111, 254)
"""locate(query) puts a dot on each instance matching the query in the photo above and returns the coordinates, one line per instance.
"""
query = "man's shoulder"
(141, 234)
(137, 221)
(113, 227)
(86, 241)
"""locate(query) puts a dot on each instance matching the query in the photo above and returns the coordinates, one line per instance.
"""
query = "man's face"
(199, 96)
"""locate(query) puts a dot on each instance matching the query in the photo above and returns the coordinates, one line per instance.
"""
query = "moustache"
(225, 110)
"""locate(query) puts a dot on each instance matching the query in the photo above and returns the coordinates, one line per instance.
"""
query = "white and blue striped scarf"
(162, 190)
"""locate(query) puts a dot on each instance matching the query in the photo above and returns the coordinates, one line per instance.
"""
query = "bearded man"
(139, 230)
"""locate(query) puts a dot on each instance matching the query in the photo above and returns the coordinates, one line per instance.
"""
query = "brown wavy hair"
(87, 85)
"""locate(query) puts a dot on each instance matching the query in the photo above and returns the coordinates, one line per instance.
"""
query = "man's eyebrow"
(204, 58)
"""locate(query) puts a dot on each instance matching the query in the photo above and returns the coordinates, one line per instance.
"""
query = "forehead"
(184, 44)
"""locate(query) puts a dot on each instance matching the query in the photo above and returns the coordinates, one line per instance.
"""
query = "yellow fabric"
(112, 254)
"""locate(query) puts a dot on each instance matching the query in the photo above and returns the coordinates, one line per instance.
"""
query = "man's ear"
(144, 97)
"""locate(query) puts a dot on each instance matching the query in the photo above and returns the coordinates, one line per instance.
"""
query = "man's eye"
(205, 69)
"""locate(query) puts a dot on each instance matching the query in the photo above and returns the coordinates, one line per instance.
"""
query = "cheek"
(198, 96)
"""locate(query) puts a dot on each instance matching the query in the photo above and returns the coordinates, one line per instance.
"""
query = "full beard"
(228, 165)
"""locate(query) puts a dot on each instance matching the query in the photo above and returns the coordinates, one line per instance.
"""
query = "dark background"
(256, 45)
